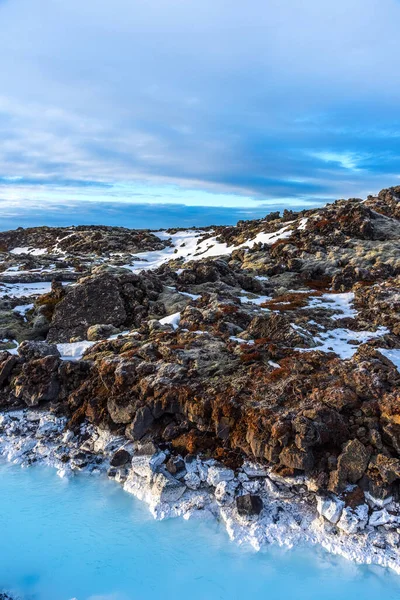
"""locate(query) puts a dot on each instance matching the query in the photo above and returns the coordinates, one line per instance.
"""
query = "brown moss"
(323, 284)
(250, 357)
(229, 309)
(290, 301)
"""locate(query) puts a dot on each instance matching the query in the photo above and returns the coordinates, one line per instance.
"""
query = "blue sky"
(222, 104)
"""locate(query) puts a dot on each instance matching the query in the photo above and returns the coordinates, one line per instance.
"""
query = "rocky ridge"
(275, 342)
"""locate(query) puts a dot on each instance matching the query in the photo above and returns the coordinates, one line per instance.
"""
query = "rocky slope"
(275, 341)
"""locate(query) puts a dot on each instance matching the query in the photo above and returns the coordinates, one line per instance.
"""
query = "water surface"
(87, 539)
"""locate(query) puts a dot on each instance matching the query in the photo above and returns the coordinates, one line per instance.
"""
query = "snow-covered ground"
(187, 245)
(341, 303)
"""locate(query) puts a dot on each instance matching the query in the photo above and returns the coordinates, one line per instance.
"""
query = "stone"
(30, 350)
(330, 508)
(249, 505)
(121, 410)
(353, 521)
(175, 465)
(120, 458)
(142, 422)
(192, 480)
(166, 488)
(294, 458)
(96, 300)
(225, 492)
(217, 474)
(351, 466)
(254, 470)
(6, 367)
(100, 332)
(382, 517)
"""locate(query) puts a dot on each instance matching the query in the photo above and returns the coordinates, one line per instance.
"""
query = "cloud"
(266, 100)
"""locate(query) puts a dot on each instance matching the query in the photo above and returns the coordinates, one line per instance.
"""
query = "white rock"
(47, 427)
(254, 470)
(330, 508)
(252, 487)
(157, 460)
(352, 521)
(225, 492)
(202, 470)
(141, 465)
(68, 436)
(166, 488)
(382, 517)
(217, 474)
(192, 480)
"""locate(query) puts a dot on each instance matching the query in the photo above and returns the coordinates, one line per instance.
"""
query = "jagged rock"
(34, 350)
(352, 464)
(120, 458)
(100, 332)
(175, 465)
(249, 505)
(294, 458)
(121, 410)
(352, 521)
(217, 474)
(166, 488)
(38, 381)
(330, 508)
(7, 363)
(142, 422)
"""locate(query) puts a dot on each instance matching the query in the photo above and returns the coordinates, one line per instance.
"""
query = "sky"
(151, 110)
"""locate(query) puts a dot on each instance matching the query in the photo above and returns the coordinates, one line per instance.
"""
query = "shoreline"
(290, 514)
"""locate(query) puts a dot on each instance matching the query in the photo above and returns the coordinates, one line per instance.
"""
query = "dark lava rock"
(95, 301)
(120, 458)
(175, 465)
(249, 505)
(141, 424)
(33, 350)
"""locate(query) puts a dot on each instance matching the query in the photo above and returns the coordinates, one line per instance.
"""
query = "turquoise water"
(87, 539)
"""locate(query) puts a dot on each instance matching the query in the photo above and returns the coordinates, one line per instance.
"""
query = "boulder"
(353, 521)
(166, 488)
(142, 422)
(249, 505)
(121, 409)
(351, 466)
(100, 332)
(294, 458)
(120, 458)
(6, 366)
(96, 300)
(330, 508)
(216, 474)
(38, 381)
(30, 350)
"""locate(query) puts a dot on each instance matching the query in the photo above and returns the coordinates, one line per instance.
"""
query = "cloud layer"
(252, 101)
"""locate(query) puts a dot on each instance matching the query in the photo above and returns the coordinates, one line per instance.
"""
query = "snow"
(22, 309)
(240, 340)
(187, 246)
(393, 355)
(337, 302)
(303, 223)
(343, 342)
(253, 299)
(173, 320)
(19, 290)
(29, 250)
(73, 350)
(192, 296)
